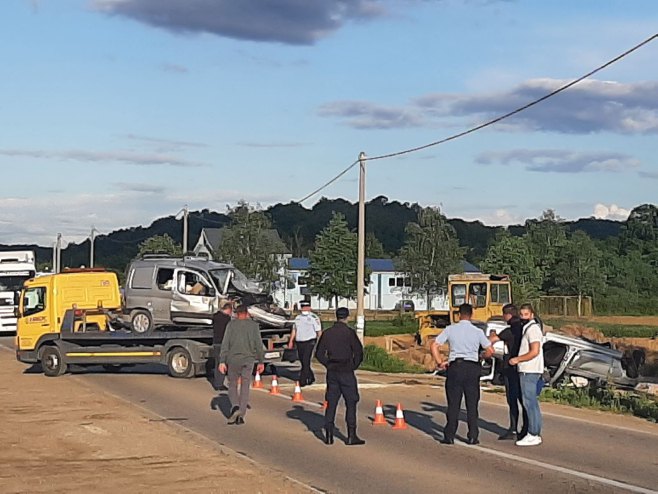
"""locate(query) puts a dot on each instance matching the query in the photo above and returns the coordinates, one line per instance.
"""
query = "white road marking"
(567, 471)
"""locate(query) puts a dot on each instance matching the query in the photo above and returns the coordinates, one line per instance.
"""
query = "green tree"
(160, 244)
(546, 237)
(578, 271)
(333, 261)
(374, 248)
(251, 244)
(512, 256)
(431, 253)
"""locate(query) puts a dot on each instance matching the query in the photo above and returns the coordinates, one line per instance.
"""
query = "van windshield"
(244, 284)
(219, 276)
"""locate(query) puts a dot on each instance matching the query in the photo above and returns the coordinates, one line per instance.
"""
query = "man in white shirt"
(530, 364)
(304, 334)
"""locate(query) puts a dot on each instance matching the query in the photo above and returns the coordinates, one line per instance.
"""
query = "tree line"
(614, 262)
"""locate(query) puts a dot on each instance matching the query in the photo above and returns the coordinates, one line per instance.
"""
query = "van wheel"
(179, 363)
(51, 362)
(141, 321)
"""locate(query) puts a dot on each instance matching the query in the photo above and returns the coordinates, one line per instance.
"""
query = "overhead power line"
(490, 122)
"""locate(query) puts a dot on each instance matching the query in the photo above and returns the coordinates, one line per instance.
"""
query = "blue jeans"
(531, 401)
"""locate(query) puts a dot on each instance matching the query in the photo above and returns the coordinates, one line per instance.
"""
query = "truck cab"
(45, 300)
(487, 294)
(16, 267)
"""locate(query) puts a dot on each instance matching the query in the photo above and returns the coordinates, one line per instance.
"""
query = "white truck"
(15, 268)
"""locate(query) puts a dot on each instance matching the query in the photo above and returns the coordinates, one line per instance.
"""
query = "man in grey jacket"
(241, 348)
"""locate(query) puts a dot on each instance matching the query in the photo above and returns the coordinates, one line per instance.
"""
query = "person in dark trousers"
(341, 352)
(511, 336)
(241, 348)
(219, 322)
(463, 372)
(304, 334)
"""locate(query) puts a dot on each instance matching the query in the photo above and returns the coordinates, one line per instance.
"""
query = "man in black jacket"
(219, 322)
(511, 336)
(341, 352)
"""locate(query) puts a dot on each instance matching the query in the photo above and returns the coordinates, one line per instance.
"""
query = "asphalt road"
(583, 451)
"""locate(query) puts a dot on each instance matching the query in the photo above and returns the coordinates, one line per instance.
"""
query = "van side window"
(191, 283)
(165, 279)
(142, 278)
(34, 300)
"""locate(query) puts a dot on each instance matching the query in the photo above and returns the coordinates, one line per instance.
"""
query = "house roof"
(375, 265)
(214, 237)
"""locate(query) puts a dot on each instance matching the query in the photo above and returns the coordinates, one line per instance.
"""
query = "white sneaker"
(529, 440)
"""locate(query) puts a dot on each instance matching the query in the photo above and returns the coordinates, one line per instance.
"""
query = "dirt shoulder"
(59, 435)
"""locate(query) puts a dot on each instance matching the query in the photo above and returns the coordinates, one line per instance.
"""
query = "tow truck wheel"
(141, 321)
(51, 362)
(179, 363)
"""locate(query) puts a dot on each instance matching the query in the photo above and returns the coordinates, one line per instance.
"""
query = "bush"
(378, 360)
(602, 398)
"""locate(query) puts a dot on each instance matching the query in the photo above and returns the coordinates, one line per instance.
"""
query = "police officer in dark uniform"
(341, 352)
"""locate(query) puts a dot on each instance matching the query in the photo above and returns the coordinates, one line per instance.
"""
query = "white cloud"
(610, 212)
(561, 160)
(38, 219)
(588, 107)
(83, 155)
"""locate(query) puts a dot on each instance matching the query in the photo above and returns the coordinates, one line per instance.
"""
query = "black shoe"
(445, 440)
(352, 438)
(235, 414)
(239, 420)
(328, 435)
(508, 436)
(472, 442)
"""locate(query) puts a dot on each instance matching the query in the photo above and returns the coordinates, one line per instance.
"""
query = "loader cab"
(486, 293)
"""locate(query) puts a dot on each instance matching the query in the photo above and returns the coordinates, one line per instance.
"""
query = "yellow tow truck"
(74, 318)
(487, 293)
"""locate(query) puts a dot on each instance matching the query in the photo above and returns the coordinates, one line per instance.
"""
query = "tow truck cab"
(45, 300)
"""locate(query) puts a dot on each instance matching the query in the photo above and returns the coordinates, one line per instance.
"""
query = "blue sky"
(116, 112)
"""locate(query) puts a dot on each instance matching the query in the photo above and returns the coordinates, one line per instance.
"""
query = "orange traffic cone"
(379, 414)
(297, 397)
(258, 383)
(399, 419)
(274, 390)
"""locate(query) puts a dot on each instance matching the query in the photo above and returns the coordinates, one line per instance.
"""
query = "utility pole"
(53, 268)
(186, 214)
(92, 237)
(58, 256)
(361, 263)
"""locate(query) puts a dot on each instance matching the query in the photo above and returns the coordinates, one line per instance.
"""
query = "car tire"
(141, 322)
(51, 362)
(179, 363)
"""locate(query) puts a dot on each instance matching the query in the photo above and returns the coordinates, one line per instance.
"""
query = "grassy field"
(609, 330)
(604, 399)
(405, 325)
(376, 359)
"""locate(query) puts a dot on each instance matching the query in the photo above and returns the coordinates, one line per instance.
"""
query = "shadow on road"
(221, 403)
(314, 422)
(424, 421)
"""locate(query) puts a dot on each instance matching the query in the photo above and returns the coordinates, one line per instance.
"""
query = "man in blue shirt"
(463, 372)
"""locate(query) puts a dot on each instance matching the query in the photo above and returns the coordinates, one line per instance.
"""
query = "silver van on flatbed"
(163, 291)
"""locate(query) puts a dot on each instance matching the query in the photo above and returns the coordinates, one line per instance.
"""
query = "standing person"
(219, 322)
(241, 348)
(530, 363)
(511, 336)
(304, 334)
(341, 352)
(463, 372)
